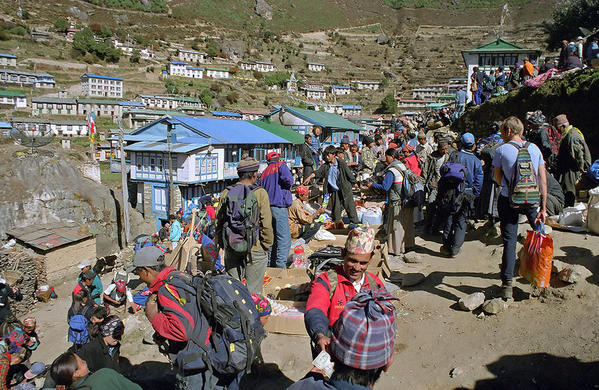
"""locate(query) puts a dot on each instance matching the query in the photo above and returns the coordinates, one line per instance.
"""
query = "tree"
(567, 17)
(266, 101)
(61, 25)
(83, 41)
(388, 105)
(212, 49)
(135, 56)
(384, 83)
(105, 32)
(233, 97)
(206, 97)
(171, 87)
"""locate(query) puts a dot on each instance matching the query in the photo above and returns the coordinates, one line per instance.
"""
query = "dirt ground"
(549, 342)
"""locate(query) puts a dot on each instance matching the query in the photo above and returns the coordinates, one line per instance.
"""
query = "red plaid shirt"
(4, 366)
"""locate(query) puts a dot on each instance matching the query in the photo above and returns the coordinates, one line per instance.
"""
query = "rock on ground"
(382, 39)
(409, 280)
(233, 50)
(263, 9)
(472, 301)
(494, 306)
(574, 273)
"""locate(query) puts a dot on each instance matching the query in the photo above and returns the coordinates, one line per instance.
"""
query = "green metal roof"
(499, 45)
(281, 131)
(98, 101)
(323, 119)
(12, 93)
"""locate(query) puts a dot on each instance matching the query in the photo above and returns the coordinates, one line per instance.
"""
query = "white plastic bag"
(324, 235)
(573, 216)
(593, 211)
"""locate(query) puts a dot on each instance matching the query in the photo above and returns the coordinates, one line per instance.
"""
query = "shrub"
(17, 30)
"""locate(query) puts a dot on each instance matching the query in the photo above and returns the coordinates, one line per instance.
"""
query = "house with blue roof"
(8, 59)
(340, 90)
(351, 110)
(24, 78)
(226, 115)
(204, 154)
(101, 86)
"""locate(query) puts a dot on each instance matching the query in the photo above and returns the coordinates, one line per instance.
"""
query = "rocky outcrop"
(263, 9)
(79, 14)
(233, 50)
(50, 187)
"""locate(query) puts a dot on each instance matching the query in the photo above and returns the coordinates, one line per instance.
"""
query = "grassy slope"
(576, 95)
(454, 4)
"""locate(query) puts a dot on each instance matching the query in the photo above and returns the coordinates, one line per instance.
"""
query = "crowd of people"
(433, 182)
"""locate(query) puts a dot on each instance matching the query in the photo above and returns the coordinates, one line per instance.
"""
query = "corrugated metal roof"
(151, 146)
(128, 103)
(231, 131)
(323, 119)
(225, 113)
(6, 55)
(284, 132)
(12, 93)
(5, 125)
(98, 101)
(50, 236)
(97, 76)
(53, 100)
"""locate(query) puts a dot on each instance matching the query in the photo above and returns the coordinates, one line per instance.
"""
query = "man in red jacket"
(333, 289)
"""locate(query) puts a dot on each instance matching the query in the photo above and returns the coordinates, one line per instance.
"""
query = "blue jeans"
(508, 222)
(279, 252)
(454, 230)
(205, 380)
(478, 96)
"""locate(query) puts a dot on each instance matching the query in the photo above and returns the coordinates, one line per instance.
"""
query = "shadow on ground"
(540, 371)
(266, 376)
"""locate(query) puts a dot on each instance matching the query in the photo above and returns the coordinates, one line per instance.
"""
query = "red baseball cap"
(272, 155)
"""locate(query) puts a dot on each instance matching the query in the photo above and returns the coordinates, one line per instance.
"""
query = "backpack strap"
(332, 282)
(371, 282)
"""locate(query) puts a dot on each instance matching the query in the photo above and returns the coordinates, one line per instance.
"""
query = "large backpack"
(412, 189)
(524, 185)
(224, 314)
(241, 224)
(78, 329)
(452, 185)
(593, 173)
(555, 137)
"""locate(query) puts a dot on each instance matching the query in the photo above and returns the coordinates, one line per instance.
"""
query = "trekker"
(424, 148)
(301, 223)
(361, 345)
(7, 292)
(368, 158)
(277, 180)
(431, 175)
(250, 262)
(573, 157)
(104, 350)
(96, 287)
(78, 319)
(460, 101)
(174, 231)
(315, 145)
(307, 157)
(333, 289)
(462, 201)
(400, 219)
(542, 134)
(593, 50)
(85, 283)
(338, 182)
(510, 204)
(69, 371)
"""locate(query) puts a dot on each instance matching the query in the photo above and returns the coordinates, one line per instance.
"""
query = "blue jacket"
(175, 234)
(474, 177)
(277, 181)
(96, 289)
(460, 97)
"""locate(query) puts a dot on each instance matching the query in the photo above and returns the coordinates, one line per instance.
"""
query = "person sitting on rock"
(96, 286)
(301, 223)
(85, 284)
(333, 289)
(117, 294)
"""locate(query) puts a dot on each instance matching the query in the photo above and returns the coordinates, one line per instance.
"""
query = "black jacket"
(95, 353)
(306, 155)
(5, 293)
(346, 177)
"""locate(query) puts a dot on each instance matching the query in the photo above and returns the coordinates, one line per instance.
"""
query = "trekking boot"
(507, 291)
(444, 251)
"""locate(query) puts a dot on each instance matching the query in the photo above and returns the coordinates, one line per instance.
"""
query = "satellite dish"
(587, 33)
(31, 135)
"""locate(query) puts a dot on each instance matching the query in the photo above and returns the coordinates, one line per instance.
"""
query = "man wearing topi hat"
(250, 265)
(301, 223)
(333, 289)
(361, 346)
(573, 157)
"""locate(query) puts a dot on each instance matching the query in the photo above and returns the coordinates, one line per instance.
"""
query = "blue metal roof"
(6, 55)
(350, 107)
(151, 146)
(231, 131)
(96, 76)
(178, 63)
(131, 103)
(194, 68)
(5, 125)
(225, 113)
(340, 86)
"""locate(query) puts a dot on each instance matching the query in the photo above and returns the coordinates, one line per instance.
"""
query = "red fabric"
(344, 292)
(4, 366)
(413, 163)
(77, 289)
(211, 212)
(168, 325)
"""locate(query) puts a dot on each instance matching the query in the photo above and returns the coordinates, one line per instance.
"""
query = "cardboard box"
(285, 284)
(291, 322)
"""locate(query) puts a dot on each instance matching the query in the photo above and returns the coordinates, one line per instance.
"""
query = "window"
(138, 160)
(159, 199)
(206, 166)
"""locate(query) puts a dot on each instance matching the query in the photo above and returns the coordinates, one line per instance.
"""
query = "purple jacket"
(277, 181)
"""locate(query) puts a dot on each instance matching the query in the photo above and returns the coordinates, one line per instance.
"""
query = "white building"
(64, 128)
(191, 56)
(429, 92)
(351, 110)
(340, 90)
(247, 65)
(218, 73)
(128, 49)
(104, 86)
(314, 92)
(12, 100)
(53, 106)
(316, 67)
(412, 104)
(171, 102)
(176, 68)
(262, 66)
(22, 78)
(371, 85)
(8, 59)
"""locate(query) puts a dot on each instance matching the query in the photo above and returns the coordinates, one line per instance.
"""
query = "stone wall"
(32, 267)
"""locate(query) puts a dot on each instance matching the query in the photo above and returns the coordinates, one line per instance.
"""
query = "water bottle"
(299, 258)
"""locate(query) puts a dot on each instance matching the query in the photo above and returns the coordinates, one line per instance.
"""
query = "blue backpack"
(241, 225)
(452, 185)
(78, 329)
(593, 172)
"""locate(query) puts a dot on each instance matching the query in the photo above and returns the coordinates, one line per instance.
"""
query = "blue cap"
(467, 139)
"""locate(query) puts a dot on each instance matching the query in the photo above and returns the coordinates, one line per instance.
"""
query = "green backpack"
(524, 187)
(241, 220)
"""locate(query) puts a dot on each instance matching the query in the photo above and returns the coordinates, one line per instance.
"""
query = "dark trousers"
(508, 222)
(308, 169)
(454, 230)
(340, 201)
(309, 231)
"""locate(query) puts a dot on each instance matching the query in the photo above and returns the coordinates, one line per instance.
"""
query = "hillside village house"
(217, 73)
(412, 104)
(371, 85)
(102, 86)
(53, 106)
(191, 55)
(314, 92)
(316, 67)
(226, 115)
(181, 69)
(455, 82)
(64, 128)
(8, 59)
(429, 92)
(29, 79)
(12, 100)
(100, 107)
(204, 153)
(340, 89)
(70, 33)
(259, 66)
(351, 110)
(334, 127)
(171, 102)
(251, 115)
(135, 118)
(5, 129)
(127, 49)
(495, 54)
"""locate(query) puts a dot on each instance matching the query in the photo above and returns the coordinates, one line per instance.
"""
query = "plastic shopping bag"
(537, 257)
